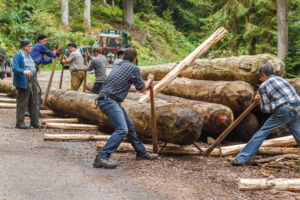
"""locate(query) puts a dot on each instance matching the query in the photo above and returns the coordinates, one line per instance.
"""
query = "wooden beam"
(75, 137)
(8, 100)
(4, 95)
(8, 105)
(60, 120)
(215, 37)
(291, 184)
(69, 126)
(50, 80)
(47, 112)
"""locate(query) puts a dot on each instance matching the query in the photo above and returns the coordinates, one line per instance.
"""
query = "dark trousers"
(27, 98)
(97, 87)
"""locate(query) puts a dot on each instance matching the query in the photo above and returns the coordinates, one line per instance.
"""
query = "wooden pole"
(290, 184)
(60, 120)
(85, 73)
(61, 76)
(47, 112)
(8, 100)
(8, 105)
(215, 37)
(50, 80)
(230, 128)
(75, 137)
(70, 126)
(153, 121)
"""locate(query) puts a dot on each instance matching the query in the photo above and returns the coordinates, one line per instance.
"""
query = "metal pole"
(153, 121)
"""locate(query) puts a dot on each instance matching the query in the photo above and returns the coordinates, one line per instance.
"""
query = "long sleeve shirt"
(275, 92)
(39, 51)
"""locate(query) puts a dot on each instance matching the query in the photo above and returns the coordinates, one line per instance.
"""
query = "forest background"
(161, 30)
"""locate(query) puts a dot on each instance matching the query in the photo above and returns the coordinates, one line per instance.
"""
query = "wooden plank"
(60, 120)
(8, 105)
(215, 37)
(4, 95)
(47, 112)
(69, 126)
(50, 80)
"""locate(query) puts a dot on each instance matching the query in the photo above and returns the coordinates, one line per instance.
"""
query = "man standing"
(278, 97)
(113, 92)
(75, 61)
(37, 53)
(24, 70)
(98, 64)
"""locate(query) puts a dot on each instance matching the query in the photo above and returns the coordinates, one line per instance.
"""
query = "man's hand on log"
(150, 77)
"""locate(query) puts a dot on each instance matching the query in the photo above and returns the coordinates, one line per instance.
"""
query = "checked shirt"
(275, 92)
(120, 79)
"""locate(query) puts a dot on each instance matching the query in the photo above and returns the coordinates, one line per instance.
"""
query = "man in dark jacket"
(24, 69)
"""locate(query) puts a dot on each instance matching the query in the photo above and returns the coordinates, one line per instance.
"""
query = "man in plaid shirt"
(114, 90)
(278, 97)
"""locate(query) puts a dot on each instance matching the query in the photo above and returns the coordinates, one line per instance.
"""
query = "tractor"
(112, 41)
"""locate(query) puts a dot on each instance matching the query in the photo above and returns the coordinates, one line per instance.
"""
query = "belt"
(103, 96)
(291, 104)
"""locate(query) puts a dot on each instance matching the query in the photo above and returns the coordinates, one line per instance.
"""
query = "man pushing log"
(114, 90)
(278, 97)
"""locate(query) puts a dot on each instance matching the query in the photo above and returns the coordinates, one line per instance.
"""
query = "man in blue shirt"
(114, 90)
(278, 97)
(37, 53)
(24, 70)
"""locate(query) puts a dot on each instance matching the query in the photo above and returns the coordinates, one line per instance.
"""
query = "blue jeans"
(282, 116)
(123, 127)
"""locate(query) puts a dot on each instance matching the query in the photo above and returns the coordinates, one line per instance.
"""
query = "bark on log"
(237, 95)
(176, 123)
(243, 68)
(69, 126)
(60, 120)
(295, 82)
(190, 150)
(290, 184)
(7, 87)
(8, 100)
(216, 117)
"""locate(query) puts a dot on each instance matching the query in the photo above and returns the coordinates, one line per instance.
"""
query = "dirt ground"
(31, 168)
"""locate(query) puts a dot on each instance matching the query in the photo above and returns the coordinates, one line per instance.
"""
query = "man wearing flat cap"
(24, 70)
(75, 60)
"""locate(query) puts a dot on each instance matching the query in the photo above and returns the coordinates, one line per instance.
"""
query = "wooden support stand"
(153, 122)
(61, 76)
(50, 80)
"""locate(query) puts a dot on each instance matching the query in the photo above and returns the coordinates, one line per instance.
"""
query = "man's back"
(99, 63)
(120, 79)
(76, 61)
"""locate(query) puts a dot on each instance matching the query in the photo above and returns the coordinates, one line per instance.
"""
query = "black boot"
(38, 126)
(105, 163)
(147, 156)
(23, 126)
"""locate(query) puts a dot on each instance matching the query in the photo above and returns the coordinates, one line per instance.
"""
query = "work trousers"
(282, 116)
(27, 98)
(77, 78)
(123, 127)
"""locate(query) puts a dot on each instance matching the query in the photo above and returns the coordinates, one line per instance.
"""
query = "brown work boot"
(105, 163)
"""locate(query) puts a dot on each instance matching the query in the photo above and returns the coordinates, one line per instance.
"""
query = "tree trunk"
(290, 184)
(176, 123)
(282, 28)
(237, 95)
(243, 68)
(216, 117)
(87, 14)
(7, 87)
(128, 15)
(113, 2)
(65, 13)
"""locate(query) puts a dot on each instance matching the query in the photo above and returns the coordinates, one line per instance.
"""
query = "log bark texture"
(290, 184)
(216, 117)
(7, 87)
(295, 82)
(242, 68)
(237, 95)
(176, 123)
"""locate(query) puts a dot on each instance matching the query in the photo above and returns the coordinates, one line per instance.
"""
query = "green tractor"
(112, 41)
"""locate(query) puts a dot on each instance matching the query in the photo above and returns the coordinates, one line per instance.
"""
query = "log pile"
(8, 88)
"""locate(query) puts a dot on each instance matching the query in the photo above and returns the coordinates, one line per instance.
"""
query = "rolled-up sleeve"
(137, 79)
(265, 104)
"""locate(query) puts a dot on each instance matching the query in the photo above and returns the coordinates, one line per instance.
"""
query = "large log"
(176, 123)
(290, 184)
(7, 87)
(243, 68)
(245, 130)
(216, 117)
(295, 82)
(182, 65)
(237, 95)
